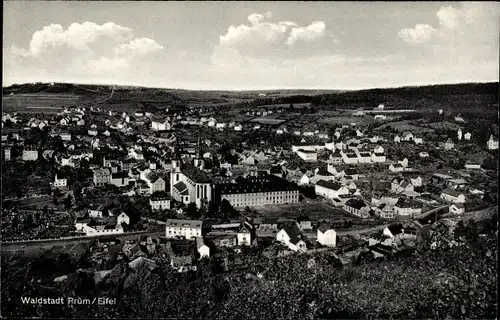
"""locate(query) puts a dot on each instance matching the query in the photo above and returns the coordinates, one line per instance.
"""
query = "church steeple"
(199, 162)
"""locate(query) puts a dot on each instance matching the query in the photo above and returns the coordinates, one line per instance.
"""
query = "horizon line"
(256, 90)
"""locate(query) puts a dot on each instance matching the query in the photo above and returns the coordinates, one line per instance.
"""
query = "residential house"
(307, 155)
(396, 167)
(101, 177)
(452, 195)
(357, 207)
(157, 125)
(492, 143)
(423, 154)
(407, 208)
(330, 190)
(246, 235)
(397, 139)
(449, 145)
(123, 218)
(120, 179)
(159, 201)
(202, 248)
(97, 210)
(188, 229)
(467, 136)
(407, 136)
(472, 165)
(30, 153)
(401, 186)
(60, 181)
(457, 208)
(326, 236)
(291, 236)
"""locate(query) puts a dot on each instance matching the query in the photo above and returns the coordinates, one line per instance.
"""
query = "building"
(202, 248)
(101, 177)
(189, 184)
(188, 229)
(123, 218)
(159, 201)
(30, 153)
(258, 189)
(120, 179)
(449, 145)
(60, 181)
(326, 236)
(292, 237)
(423, 154)
(407, 208)
(246, 235)
(97, 211)
(472, 166)
(452, 195)
(160, 125)
(65, 136)
(330, 190)
(492, 144)
(457, 208)
(7, 153)
(357, 207)
(307, 155)
(396, 167)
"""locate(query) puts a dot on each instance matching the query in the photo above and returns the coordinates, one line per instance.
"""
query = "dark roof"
(355, 203)
(119, 175)
(451, 192)
(329, 184)
(194, 173)
(292, 230)
(395, 229)
(324, 227)
(160, 195)
(182, 188)
(380, 248)
(351, 171)
(184, 223)
(260, 183)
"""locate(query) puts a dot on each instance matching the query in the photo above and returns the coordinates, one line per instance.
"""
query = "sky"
(251, 45)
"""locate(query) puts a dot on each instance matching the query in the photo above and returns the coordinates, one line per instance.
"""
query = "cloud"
(83, 48)
(262, 37)
(310, 33)
(421, 33)
(465, 34)
(138, 46)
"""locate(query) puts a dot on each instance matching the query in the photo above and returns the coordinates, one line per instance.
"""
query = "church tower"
(199, 162)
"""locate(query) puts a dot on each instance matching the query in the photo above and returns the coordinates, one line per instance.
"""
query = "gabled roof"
(329, 185)
(181, 188)
(355, 203)
(451, 192)
(292, 230)
(324, 227)
(178, 223)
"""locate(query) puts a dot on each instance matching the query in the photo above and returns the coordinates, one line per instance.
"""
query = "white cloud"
(83, 48)
(310, 33)
(276, 35)
(138, 46)
(421, 33)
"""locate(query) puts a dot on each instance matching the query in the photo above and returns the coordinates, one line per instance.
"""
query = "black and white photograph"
(249, 160)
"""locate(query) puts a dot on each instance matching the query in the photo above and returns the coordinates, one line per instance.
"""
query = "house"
(457, 183)
(350, 157)
(97, 210)
(418, 140)
(202, 248)
(397, 139)
(291, 236)
(449, 145)
(304, 224)
(188, 229)
(467, 136)
(182, 263)
(472, 165)
(452, 195)
(246, 235)
(120, 179)
(326, 236)
(380, 117)
(492, 143)
(101, 177)
(65, 136)
(238, 127)
(401, 186)
(380, 250)
(423, 154)
(407, 136)
(457, 208)
(357, 207)
(30, 153)
(304, 180)
(159, 201)
(330, 190)
(407, 208)
(61, 181)
(123, 218)
(396, 167)
(160, 125)
(307, 155)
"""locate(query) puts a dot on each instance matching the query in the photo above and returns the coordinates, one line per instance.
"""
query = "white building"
(203, 249)
(159, 201)
(291, 237)
(330, 190)
(451, 195)
(492, 143)
(60, 182)
(160, 125)
(188, 229)
(30, 154)
(327, 236)
(307, 155)
(122, 218)
(457, 208)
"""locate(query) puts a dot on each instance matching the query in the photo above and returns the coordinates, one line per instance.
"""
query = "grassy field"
(314, 210)
(346, 120)
(404, 126)
(41, 103)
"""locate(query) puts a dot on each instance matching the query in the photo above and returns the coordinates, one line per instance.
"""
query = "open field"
(41, 103)
(444, 125)
(404, 126)
(346, 120)
(314, 210)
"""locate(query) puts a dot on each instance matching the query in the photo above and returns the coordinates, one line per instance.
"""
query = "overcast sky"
(251, 45)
